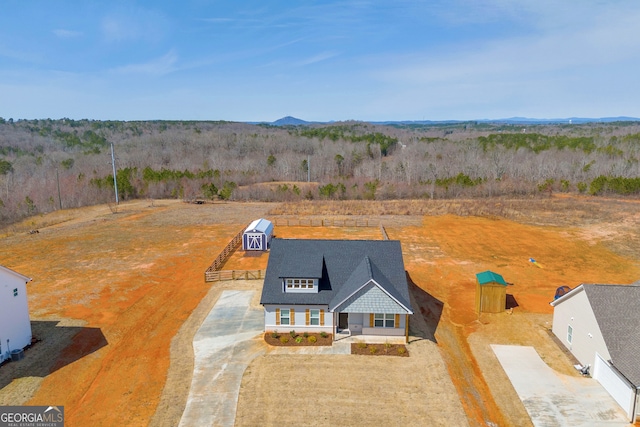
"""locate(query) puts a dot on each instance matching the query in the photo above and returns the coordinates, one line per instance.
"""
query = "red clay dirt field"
(111, 290)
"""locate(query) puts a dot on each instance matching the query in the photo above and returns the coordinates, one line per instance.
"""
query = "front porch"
(345, 336)
(365, 327)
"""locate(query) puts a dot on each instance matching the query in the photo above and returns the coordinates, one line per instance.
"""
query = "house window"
(15, 292)
(569, 334)
(297, 284)
(383, 320)
(285, 317)
(314, 317)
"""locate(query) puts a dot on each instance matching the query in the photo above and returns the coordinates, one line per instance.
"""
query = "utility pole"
(58, 181)
(115, 182)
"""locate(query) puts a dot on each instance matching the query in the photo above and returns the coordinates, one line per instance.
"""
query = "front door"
(343, 320)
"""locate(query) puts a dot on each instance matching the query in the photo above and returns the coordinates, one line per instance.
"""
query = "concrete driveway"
(227, 341)
(554, 399)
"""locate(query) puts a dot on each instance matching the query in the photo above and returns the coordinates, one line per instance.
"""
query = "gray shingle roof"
(343, 267)
(363, 274)
(617, 311)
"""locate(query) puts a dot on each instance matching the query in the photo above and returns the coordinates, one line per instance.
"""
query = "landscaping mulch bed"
(286, 339)
(379, 349)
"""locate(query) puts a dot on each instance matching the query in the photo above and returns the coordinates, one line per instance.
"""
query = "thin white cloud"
(557, 51)
(230, 20)
(317, 58)
(66, 34)
(159, 66)
(18, 55)
(132, 24)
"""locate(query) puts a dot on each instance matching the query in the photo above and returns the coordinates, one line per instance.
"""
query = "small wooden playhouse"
(491, 292)
(257, 236)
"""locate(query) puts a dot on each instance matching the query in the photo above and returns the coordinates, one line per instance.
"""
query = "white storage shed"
(257, 236)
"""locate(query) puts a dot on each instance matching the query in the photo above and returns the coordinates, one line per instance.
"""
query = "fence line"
(223, 256)
(214, 273)
(214, 276)
(312, 222)
(385, 236)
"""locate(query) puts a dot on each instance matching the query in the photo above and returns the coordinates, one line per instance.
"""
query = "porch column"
(406, 328)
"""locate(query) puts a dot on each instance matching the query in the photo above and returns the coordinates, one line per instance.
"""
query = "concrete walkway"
(228, 340)
(554, 399)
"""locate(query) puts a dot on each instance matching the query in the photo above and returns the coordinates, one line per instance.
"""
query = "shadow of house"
(54, 347)
(511, 302)
(427, 312)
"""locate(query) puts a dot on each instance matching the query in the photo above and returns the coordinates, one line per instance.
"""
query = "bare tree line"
(49, 164)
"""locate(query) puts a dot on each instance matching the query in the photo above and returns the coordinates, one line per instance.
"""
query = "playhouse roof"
(490, 277)
(260, 225)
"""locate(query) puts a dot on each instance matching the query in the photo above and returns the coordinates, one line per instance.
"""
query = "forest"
(50, 164)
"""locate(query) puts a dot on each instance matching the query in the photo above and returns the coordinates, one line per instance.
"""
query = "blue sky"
(319, 60)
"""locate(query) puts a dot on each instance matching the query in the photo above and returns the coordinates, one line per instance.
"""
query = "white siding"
(616, 385)
(15, 325)
(587, 339)
(299, 318)
(356, 321)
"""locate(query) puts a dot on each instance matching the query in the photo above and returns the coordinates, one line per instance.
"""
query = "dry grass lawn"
(117, 297)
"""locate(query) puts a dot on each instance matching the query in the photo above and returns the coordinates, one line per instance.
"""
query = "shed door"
(254, 242)
(615, 385)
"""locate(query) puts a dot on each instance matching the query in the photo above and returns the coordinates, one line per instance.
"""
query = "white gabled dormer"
(300, 285)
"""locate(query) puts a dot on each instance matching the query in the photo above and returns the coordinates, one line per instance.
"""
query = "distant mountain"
(572, 120)
(293, 121)
(289, 121)
(516, 121)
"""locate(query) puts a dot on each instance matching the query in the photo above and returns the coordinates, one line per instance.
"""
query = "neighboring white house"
(336, 285)
(600, 325)
(257, 236)
(15, 326)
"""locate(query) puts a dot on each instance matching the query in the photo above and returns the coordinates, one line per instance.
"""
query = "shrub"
(299, 339)
(547, 185)
(582, 187)
(284, 340)
(373, 350)
(306, 334)
(275, 335)
(361, 345)
(312, 339)
(402, 350)
(292, 333)
(323, 334)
